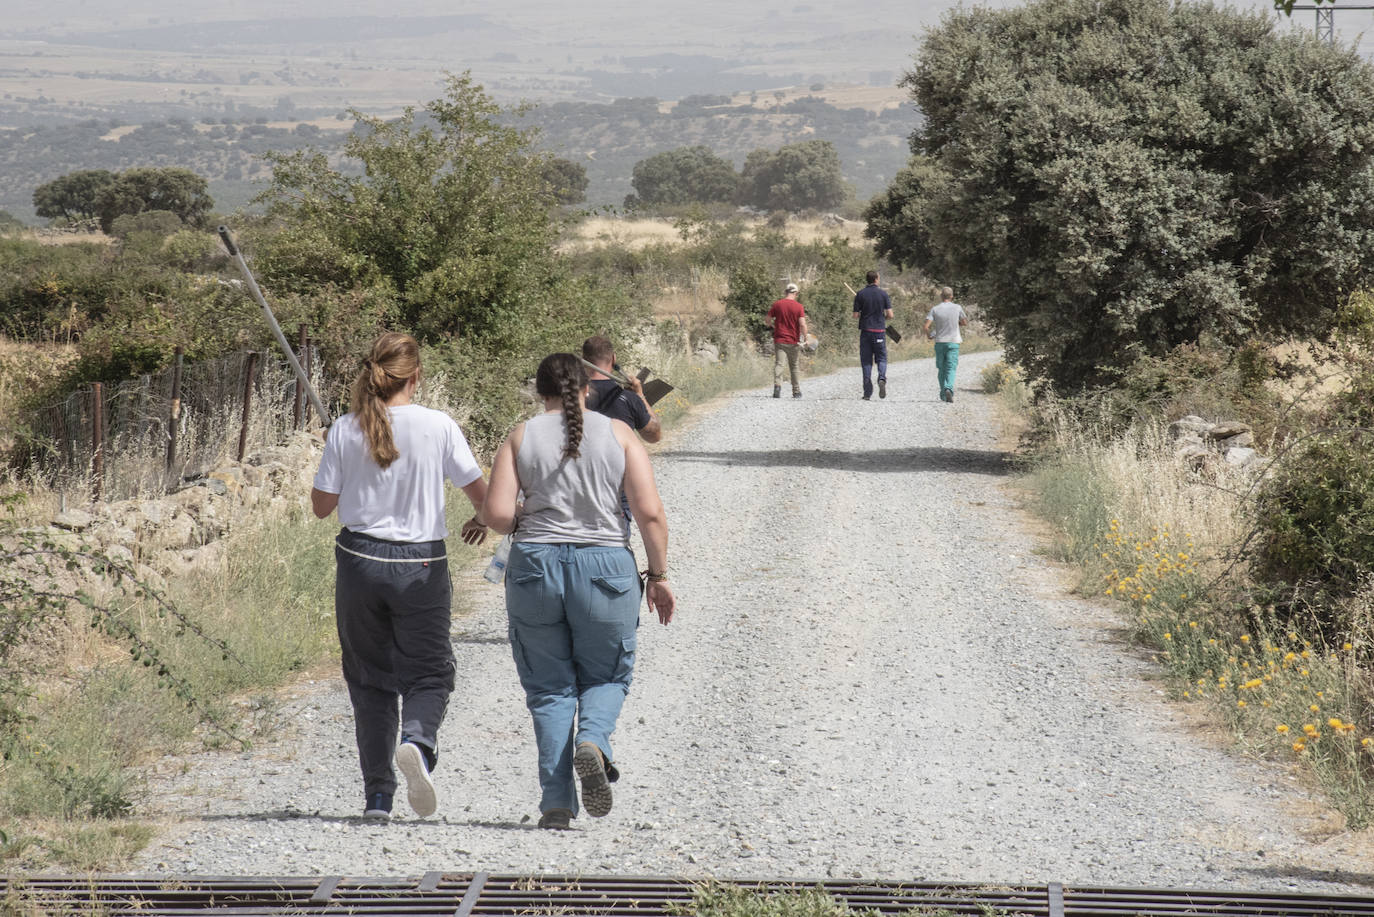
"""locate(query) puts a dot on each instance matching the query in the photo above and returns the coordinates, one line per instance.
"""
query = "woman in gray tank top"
(572, 592)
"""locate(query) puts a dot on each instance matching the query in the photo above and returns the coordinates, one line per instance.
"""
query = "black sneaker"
(868, 397)
(596, 786)
(410, 761)
(556, 819)
(882, 388)
(378, 807)
(777, 391)
(796, 394)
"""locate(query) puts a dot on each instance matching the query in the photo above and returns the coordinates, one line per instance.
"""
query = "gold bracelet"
(653, 577)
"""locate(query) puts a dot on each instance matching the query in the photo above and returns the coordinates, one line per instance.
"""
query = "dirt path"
(873, 675)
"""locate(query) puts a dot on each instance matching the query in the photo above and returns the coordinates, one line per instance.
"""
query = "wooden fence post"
(174, 420)
(98, 441)
(309, 346)
(300, 388)
(247, 402)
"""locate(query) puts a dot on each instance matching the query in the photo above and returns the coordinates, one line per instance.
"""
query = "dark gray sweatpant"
(392, 611)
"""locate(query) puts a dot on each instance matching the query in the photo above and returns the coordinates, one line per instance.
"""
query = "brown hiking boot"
(596, 786)
(556, 820)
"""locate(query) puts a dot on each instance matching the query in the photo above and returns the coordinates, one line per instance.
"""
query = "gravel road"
(873, 674)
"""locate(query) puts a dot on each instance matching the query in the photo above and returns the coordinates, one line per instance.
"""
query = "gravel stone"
(875, 673)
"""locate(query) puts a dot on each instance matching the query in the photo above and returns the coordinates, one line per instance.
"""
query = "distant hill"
(607, 139)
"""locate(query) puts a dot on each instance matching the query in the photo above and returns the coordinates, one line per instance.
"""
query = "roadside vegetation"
(1249, 577)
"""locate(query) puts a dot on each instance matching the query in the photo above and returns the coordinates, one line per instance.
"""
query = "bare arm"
(499, 510)
(475, 529)
(805, 331)
(652, 431)
(323, 503)
(647, 508)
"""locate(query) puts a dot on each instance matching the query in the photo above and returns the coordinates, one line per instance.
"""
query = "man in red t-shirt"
(787, 319)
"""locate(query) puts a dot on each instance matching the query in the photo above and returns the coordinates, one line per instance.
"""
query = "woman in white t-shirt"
(383, 469)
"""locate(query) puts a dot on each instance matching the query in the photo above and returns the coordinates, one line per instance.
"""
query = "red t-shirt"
(786, 315)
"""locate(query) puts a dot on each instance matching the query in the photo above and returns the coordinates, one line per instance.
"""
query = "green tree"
(74, 196)
(450, 217)
(686, 175)
(566, 179)
(800, 176)
(1113, 178)
(133, 191)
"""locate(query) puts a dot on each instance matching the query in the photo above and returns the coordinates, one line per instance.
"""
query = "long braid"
(561, 375)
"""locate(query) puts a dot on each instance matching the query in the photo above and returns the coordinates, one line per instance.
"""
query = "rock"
(707, 352)
(231, 477)
(216, 486)
(176, 532)
(1240, 456)
(1194, 453)
(1240, 440)
(74, 520)
(1227, 429)
(1191, 425)
(155, 512)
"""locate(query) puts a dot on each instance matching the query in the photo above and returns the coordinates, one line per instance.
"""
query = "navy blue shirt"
(607, 397)
(872, 304)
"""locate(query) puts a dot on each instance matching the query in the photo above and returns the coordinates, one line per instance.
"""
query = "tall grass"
(1164, 543)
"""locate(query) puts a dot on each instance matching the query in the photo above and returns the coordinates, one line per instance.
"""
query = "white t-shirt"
(944, 322)
(405, 501)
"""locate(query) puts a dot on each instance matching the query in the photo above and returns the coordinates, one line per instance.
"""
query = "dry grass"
(24, 366)
(638, 233)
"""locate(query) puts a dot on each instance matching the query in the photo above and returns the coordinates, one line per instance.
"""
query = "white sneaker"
(410, 761)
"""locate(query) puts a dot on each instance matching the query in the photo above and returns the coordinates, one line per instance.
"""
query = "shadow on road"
(891, 461)
(296, 815)
(1307, 874)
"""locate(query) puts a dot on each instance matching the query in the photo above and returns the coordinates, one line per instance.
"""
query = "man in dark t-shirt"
(873, 308)
(607, 396)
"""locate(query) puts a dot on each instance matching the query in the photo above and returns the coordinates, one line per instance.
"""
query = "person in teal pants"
(572, 592)
(943, 324)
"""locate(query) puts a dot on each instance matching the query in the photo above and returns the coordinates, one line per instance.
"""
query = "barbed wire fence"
(148, 435)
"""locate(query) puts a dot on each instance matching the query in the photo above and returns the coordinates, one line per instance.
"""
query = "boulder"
(707, 352)
(74, 520)
(1240, 440)
(1240, 456)
(1227, 429)
(1190, 427)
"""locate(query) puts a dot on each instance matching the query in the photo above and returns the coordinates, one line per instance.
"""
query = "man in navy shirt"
(606, 396)
(872, 308)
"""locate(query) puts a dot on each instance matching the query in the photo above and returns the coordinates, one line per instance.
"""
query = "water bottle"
(496, 570)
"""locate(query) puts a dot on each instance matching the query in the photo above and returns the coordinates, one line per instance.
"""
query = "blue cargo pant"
(872, 349)
(573, 610)
(946, 362)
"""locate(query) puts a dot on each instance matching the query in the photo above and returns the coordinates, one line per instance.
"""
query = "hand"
(661, 601)
(636, 386)
(474, 532)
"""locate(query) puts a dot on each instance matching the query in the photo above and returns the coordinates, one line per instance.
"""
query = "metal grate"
(468, 894)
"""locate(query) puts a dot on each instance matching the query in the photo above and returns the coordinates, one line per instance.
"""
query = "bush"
(1314, 520)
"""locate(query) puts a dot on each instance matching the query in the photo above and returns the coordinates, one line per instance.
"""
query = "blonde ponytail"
(394, 360)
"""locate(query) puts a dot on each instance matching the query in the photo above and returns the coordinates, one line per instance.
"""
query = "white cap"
(790, 288)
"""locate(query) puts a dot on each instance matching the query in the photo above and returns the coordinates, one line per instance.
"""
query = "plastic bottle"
(496, 570)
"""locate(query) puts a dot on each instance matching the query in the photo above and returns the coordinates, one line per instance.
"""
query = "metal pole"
(300, 389)
(98, 441)
(1326, 26)
(247, 403)
(174, 416)
(272, 321)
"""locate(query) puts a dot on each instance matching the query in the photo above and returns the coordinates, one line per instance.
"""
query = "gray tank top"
(575, 501)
